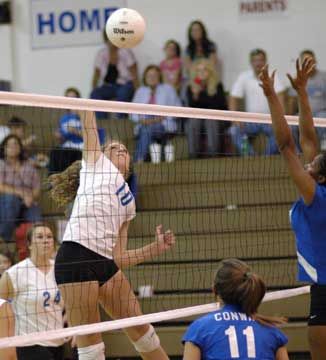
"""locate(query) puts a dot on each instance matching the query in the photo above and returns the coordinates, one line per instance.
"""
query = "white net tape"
(33, 338)
(57, 102)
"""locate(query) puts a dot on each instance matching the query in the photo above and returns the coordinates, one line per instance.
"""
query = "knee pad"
(92, 352)
(148, 342)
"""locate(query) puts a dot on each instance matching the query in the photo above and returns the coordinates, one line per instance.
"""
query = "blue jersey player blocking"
(236, 331)
(308, 214)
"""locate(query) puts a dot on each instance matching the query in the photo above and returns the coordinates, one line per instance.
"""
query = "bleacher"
(218, 208)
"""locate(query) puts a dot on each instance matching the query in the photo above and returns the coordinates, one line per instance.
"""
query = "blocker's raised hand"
(303, 73)
(267, 82)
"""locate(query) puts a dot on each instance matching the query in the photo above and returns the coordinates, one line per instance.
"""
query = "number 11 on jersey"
(248, 332)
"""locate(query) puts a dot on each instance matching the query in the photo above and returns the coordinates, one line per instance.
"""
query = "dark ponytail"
(235, 284)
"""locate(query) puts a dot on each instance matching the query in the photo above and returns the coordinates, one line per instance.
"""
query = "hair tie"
(247, 275)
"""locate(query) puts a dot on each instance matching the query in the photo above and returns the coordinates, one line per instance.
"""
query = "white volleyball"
(125, 28)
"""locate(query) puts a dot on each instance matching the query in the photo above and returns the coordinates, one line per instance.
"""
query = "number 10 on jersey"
(248, 332)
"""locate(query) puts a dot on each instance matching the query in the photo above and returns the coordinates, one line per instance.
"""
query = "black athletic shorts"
(38, 352)
(317, 315)
(75, 263)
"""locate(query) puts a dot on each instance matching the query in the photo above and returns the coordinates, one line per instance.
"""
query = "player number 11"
(248, 332)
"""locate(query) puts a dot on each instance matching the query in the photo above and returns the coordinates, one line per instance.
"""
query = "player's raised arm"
(92, 147)
(282, 131)
(304, 182)
(308, 136)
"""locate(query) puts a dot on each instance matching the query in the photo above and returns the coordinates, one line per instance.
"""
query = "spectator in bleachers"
(205, 91)
(19, 187)
(199, 45)
(153, 129)
(70, 126)
(316, 89)
(72, 92)
(115, 74)
(247, 89)
(171, 66)
(4, 131)
(17, 126)
(69, 137)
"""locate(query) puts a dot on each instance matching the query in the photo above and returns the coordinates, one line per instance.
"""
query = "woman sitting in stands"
(19, 187)
(154, 129)
(205, 91)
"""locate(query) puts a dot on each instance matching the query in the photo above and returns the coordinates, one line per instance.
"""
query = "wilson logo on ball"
(122, 31)
(125, 28)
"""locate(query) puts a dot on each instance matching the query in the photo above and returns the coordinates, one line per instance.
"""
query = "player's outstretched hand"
(303, 73)
(267, 82)
(165, 240)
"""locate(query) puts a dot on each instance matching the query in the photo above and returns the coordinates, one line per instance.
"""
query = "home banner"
(64, 23)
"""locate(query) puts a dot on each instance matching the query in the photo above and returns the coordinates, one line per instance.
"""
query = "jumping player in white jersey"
(94, 249)
(236, 331)
(308, 214)
(35, 297)
(7, 328)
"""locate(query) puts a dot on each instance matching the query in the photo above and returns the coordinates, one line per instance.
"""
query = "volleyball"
(125, 28)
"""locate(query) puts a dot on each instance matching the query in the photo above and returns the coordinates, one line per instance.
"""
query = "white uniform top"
(2, 302)
(247, 87)
(103, 203)
(36, 303)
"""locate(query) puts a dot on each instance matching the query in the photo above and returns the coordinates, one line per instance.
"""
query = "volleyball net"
(220, 198)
